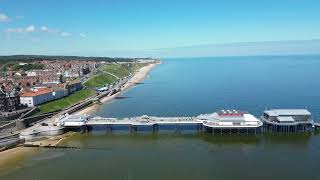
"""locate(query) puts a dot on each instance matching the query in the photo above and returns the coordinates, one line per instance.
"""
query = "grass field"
(120, 70)
(65, 102)
(100, 80)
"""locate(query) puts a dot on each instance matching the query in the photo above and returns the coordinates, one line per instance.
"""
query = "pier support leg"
(134, 128)
(155, 128)
(200, 128)
(109, 128)
(86, 129)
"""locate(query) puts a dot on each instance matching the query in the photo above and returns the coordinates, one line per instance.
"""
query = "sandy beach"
(9, 159)
(139, 76)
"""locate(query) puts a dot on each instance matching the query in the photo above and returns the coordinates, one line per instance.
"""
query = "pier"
(218, 123)
(245, 123)
(133, 124)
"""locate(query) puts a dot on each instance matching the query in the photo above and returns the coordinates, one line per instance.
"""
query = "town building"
(73, 86)
(287, 120)
(59, 93)
(47, 76)
(9, 101)
(36, 96)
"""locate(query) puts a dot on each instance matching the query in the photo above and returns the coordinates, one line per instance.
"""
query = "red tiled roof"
(36, 92)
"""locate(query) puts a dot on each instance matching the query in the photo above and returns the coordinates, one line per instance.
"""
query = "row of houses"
(54, 72)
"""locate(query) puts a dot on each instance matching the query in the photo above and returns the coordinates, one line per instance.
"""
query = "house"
(73, 86)
(9, 100)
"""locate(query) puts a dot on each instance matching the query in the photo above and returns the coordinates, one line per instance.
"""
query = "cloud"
(65, 34)
(48, 30)
(3, 17)
(44, 28)
(84, 35)
(19, 30)
(31, 28)
(15, 30)
(28, 29)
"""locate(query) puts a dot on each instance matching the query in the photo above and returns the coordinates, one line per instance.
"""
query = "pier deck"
(141, 121)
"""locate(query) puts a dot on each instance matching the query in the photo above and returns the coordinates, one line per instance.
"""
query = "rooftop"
(228, 116)
(73, 118)
(36, 92)
(230, 113)
(288, 112)
(285, 119)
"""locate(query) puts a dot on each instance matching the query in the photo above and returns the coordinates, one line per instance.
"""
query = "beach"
(9, 159)
(139, 76)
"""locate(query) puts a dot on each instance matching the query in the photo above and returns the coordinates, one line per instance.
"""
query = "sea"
(189, 87)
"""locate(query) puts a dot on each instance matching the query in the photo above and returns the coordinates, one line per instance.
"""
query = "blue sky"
(125, 27)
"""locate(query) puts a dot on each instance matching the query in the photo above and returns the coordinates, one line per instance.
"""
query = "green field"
(102, 78)
(122, 70)
(66, 102)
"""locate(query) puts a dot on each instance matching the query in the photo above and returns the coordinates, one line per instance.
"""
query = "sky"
(153, 27)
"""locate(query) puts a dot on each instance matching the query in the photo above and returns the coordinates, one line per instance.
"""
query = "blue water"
(191, 86)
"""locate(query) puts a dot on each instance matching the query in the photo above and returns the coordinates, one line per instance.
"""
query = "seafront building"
(287, 120)
(9, 100)
(230, 122)
(36, 96)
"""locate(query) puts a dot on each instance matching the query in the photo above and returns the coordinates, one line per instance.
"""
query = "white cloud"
(44, 28)
(84, 35)
(65, 34)
(3, 17)
(31, 28)
(15, 30)
(19, 30)
(48, 30)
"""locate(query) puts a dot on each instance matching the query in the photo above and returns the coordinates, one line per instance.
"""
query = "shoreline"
(12, 156)
(139, 76)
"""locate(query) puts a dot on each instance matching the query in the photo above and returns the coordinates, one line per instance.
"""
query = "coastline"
(13, 156)
(10, 158)
(139, 76)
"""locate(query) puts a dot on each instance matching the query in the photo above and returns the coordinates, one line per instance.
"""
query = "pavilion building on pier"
(230, 122)
(287, 120)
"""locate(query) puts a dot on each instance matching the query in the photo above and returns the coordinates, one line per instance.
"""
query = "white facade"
(32, 101)
(60, 93)
(31, 73)
(230, 119)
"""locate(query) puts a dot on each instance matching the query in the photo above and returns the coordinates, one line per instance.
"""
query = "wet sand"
(10, 159)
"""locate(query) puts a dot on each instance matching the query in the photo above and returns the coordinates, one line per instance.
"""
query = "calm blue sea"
(191, 86)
